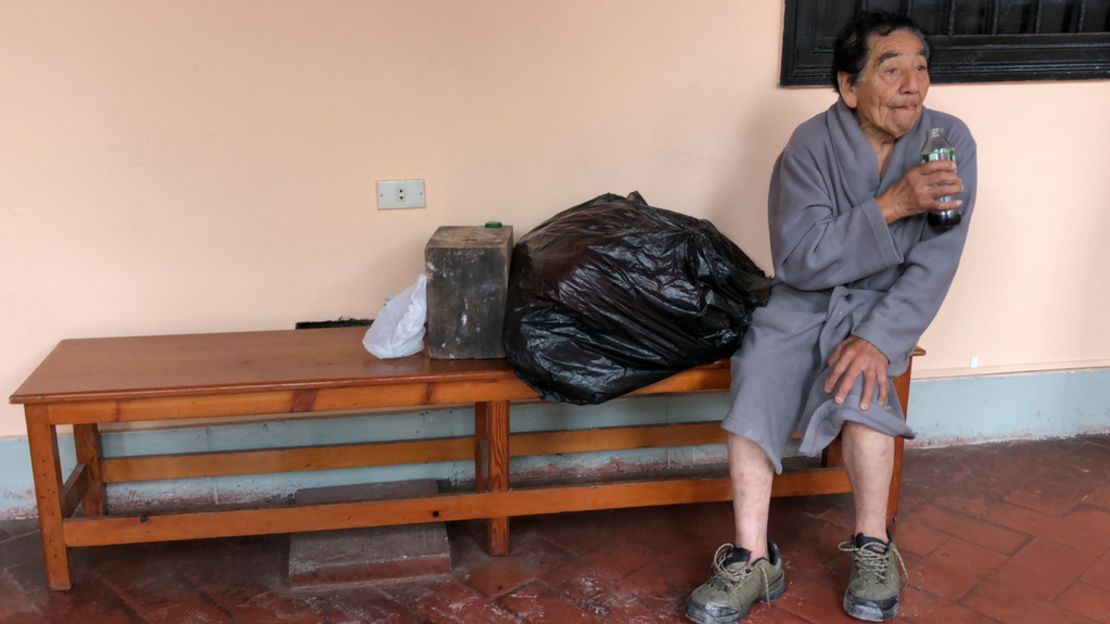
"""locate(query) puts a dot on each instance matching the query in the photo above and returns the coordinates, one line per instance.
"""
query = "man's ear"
(847, 89)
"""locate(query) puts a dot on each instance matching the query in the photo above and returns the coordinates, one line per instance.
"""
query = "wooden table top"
(198, 364)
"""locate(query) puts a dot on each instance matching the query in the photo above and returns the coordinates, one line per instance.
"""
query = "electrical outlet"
(400, 194)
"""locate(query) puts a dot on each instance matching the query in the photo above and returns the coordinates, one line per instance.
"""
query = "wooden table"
(87, 383)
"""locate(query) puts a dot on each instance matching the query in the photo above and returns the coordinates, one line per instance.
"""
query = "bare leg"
(869, 458)
(752, 474)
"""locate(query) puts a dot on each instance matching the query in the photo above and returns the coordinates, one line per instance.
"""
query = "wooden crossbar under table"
(91, 382)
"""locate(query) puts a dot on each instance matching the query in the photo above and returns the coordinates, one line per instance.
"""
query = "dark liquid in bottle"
(943, 219)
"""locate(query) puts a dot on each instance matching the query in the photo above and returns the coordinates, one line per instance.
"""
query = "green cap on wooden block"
(493, 224)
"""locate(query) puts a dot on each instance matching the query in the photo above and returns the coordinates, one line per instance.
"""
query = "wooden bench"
(192, 378)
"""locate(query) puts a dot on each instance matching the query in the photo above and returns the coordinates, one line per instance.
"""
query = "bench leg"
(481, 445)
(86, 441)
(833, 455)
(494, 427)
(902, 389)
(895, 481)
(42, 438)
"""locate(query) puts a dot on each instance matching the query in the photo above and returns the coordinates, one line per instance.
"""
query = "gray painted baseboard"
(960, 410)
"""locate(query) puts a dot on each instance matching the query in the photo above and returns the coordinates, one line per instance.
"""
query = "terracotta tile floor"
(1011, 533)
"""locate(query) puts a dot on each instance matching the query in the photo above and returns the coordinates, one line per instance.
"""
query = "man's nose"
(911, 82)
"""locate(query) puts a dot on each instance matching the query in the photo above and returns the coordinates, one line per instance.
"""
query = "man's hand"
(851, 358)
(919, 190)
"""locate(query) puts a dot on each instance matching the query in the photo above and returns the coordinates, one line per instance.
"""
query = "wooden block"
(364, 555)
(468, 280)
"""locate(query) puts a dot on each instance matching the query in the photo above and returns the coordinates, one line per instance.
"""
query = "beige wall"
(186, 166)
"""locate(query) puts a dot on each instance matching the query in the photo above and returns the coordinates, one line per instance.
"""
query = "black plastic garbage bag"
(613, 295)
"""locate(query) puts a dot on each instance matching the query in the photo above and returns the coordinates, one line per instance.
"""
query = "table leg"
(86, 441)
(497, 475)
(42, 438)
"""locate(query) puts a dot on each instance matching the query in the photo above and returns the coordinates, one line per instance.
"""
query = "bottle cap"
(493, 224)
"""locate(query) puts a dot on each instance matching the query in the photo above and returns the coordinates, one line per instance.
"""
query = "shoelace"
(874, 563)
(736, 576)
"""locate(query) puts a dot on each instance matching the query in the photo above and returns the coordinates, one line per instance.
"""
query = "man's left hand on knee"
(850, 359)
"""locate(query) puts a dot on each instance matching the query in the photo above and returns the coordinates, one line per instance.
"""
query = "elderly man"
(859, 275)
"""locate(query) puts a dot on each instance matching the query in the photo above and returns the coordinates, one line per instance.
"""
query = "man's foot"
(874, 586)
(736, 584)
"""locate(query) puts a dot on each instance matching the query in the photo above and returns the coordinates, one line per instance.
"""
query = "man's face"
(892, 86)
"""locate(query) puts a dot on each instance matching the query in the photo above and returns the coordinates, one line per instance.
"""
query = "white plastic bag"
(399, 329)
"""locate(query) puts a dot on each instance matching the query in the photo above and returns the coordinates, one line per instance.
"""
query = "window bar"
(1082, 16)
(1038, 12)
(950, 20)
(992, 16)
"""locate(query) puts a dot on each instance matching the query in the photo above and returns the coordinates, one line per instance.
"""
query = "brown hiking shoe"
(736, 584)
(875, 585)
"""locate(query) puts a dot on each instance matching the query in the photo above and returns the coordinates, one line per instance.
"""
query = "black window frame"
(807, 55)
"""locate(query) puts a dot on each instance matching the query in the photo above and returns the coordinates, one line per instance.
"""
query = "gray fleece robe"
(841, 271)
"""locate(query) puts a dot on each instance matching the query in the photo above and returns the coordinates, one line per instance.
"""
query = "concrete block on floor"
(366, 555)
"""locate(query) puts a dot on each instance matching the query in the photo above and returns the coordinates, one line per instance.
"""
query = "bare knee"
(862, 443)
(859, 431)
(851, 427)
(743, 451)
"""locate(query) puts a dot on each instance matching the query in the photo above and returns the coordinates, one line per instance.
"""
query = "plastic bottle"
(937, 147)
